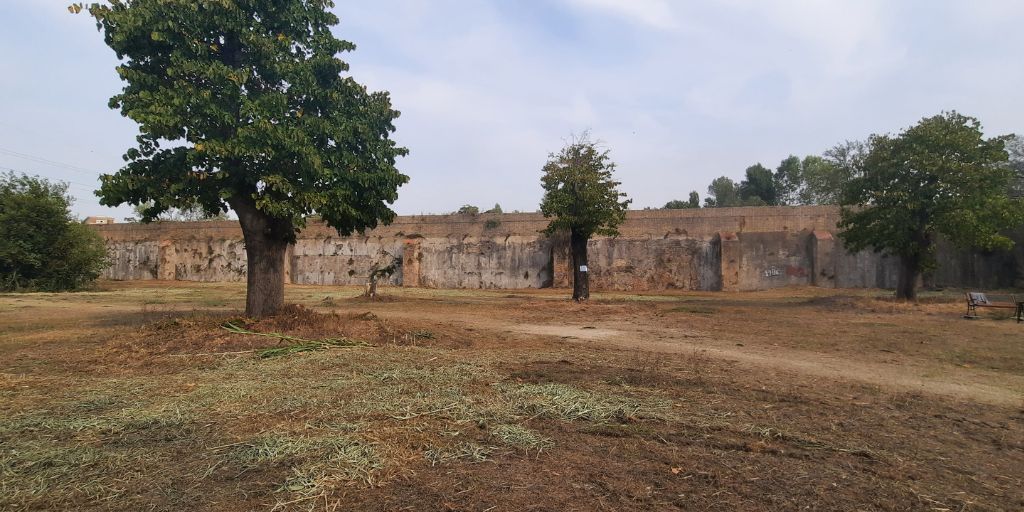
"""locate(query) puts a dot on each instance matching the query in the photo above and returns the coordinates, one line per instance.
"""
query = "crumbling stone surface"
(728, 249)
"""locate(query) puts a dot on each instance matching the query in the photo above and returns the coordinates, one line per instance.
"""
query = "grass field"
(135, 397)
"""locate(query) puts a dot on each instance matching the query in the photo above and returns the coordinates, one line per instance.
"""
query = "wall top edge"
(639, 223)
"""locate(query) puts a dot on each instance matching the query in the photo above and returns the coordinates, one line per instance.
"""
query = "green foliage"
(467, 209)
(245, 104)
(41, 246)
(694, 201)
(827, 176)
(1015, 148)
(676, 204)
(937, 177)
(579, 191)
(758, 188)
(722, 193)
(789, 180)
(496, 209)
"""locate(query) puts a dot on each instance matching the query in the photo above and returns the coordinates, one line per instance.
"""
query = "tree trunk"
(906, 285)
(911, 266)
(580, 272)
(266, 241)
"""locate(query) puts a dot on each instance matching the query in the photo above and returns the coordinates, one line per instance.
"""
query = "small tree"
(676, 204)
(41, 246)
(722, 193)
(381, 271)
(246, 105)
(940, 177)
(789, 180)
(584, 200)
(467, 209)
(496, 209)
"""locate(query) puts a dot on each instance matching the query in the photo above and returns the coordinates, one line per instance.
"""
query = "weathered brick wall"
(702, 249)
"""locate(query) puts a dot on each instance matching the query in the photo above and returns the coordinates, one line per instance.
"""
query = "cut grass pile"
(298, 344)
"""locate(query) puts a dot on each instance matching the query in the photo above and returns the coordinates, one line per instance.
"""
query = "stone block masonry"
(728, 249)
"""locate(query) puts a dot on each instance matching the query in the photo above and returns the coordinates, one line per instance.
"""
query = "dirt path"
(904, 376)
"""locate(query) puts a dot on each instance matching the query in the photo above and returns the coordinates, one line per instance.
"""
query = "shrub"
(41, 246)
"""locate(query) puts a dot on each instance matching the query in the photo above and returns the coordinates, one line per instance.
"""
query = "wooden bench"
(977, 300)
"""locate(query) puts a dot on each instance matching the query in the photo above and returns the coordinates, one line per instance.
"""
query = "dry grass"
(115, 404)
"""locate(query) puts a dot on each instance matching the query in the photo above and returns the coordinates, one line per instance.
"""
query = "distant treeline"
(812, 180)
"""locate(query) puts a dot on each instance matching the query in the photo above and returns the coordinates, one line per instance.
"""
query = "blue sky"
(680, 92)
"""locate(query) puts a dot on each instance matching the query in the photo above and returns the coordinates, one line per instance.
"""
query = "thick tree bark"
(909, 271)
(580, 277)
(266, 241)
(911, 267)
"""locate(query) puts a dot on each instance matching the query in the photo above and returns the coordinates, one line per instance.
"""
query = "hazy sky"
(680, 91)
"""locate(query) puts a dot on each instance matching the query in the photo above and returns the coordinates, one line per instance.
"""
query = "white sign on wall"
(583, 268)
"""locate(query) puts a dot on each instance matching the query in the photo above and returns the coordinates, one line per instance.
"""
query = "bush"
(41, 246)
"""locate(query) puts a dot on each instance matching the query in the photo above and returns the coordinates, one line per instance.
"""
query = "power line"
(84, 186)
(47, 161)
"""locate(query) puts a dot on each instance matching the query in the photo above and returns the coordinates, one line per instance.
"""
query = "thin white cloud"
(652, 13)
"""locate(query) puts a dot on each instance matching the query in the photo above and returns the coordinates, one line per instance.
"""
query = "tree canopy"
(676, 204)
(789, 180)
(42, 247)
(939, 177)
(722, 192)
(247, 105)
(758, 187)
(580, 193)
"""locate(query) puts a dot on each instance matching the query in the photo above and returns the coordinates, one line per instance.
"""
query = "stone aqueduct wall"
(705, 249)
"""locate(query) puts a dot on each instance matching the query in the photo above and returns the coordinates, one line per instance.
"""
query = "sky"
(680, 92)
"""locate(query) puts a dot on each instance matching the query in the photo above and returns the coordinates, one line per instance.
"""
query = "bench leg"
(972, 311)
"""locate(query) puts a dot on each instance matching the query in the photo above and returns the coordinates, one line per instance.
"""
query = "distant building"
(98, 220)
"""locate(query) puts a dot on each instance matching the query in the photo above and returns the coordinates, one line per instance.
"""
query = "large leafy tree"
(583, 198)
(939, 177)
(758, 187)
(246, 104)
(41, 246)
